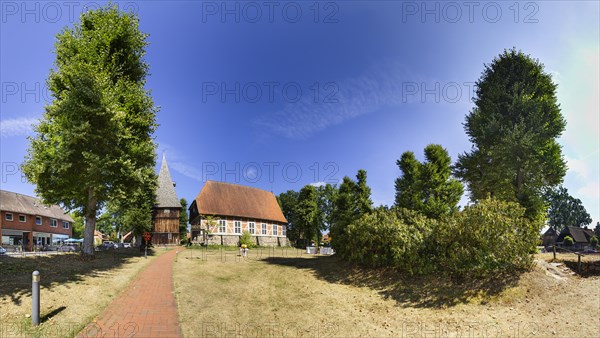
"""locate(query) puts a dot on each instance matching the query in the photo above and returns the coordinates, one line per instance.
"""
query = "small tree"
(211, 222)
(568, 241)
(594, 241)
(246, 239)
(183, 219)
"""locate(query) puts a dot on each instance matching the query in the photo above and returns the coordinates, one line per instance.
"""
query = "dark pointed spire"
(166, 197)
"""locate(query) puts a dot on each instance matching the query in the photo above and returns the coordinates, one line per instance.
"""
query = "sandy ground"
(221, 295)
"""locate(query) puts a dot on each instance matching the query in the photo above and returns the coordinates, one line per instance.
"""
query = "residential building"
(26, 222)
(581, 237)
(549, 237)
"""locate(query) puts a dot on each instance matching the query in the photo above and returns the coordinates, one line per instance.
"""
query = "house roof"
(166, 197)
(127, 237)
(551, 232)
(579, 235)
(226, 199)
(18, 203)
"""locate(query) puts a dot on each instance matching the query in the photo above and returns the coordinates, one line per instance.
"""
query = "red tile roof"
(227, 199)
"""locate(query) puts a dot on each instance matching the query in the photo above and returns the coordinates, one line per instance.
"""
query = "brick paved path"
(147, 308)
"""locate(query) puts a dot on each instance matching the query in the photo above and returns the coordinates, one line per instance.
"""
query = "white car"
(2, 251)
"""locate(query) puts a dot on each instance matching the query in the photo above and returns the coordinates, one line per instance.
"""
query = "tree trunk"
(90, 225)
(519, 185)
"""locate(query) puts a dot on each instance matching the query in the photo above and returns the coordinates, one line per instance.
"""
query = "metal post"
(35, 298)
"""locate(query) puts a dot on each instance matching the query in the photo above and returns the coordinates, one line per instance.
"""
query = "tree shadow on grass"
(433, 291)
(15, 271)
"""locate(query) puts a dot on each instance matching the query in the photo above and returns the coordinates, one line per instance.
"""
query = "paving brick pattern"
(147, 308)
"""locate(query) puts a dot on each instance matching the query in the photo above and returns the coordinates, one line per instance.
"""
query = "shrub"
(489, 237)
(568, 241)
(486, 238)
(246, 238)
(381, 239)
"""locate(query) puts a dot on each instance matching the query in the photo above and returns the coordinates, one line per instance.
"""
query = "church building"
(165, 215)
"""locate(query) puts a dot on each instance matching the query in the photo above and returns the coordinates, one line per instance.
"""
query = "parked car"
(127, 245)
(109, 245)
(2, 251)
(68, 248)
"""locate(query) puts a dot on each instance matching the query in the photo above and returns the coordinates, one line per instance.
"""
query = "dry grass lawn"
(73, 291)
(287, 293)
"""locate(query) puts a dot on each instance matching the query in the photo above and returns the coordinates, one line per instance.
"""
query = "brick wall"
(30, 225)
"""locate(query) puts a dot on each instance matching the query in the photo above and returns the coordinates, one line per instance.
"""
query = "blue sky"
(277, 95)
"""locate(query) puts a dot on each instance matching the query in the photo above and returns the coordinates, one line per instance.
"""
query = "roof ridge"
(239, 185)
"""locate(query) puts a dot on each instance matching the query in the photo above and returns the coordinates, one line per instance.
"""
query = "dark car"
(109, 245)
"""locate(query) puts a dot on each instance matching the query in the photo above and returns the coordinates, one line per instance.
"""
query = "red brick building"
(25, 221)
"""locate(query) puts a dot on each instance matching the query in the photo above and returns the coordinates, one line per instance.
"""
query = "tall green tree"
(326, 195)
(565, 210)
(183, 219)
(362, 194)
(353, 200)
(137, 210)
(514, 129)
(428, 187)
(597, 229)
(309, 215)
(288, 202)
(344, 206)
(94, 143)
